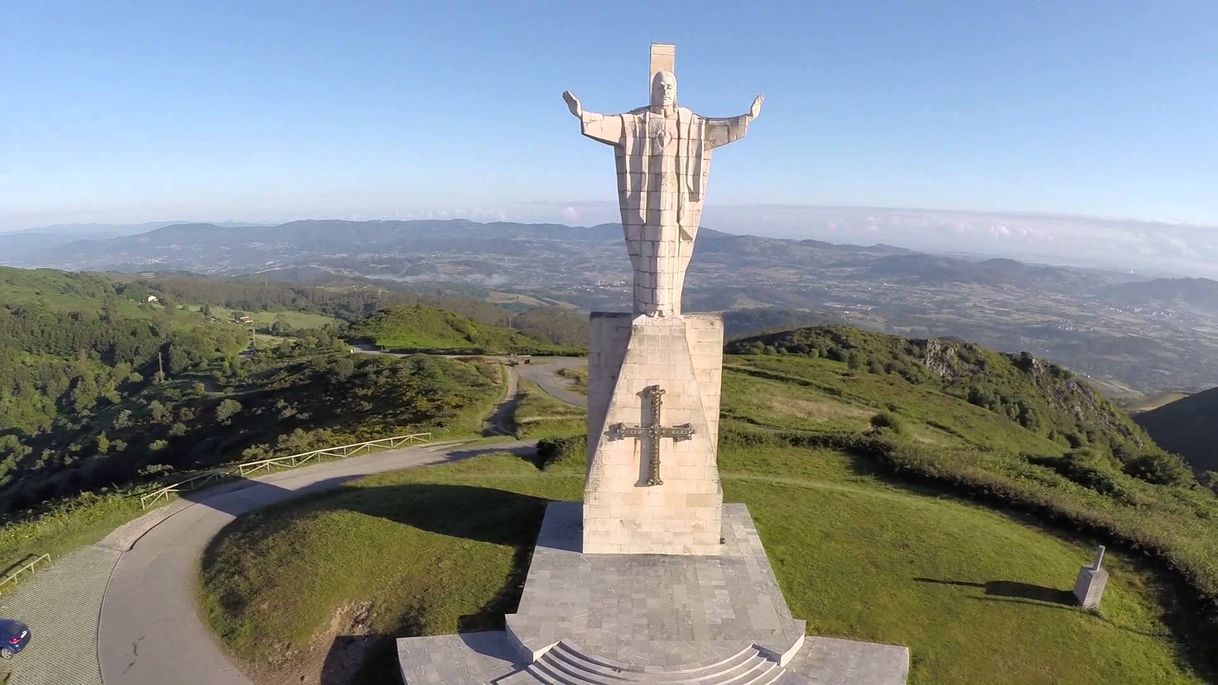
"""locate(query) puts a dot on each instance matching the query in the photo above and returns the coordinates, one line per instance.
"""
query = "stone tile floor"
(650, 614)
(61, 605)
(651, 609)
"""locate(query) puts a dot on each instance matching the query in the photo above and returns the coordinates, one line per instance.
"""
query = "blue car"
(14, 636)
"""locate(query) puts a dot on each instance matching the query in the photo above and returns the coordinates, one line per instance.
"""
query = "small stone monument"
(1089, 588)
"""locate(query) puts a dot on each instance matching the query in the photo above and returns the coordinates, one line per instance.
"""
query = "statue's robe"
(662, 166)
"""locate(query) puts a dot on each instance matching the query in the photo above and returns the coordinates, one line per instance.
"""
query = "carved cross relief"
(651, 433)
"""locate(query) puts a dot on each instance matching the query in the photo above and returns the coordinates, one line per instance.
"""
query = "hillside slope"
(99, 386)
(420, 328)
(1041, 397)
(1188, 427)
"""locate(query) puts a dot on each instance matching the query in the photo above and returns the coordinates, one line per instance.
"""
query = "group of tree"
(99, 386)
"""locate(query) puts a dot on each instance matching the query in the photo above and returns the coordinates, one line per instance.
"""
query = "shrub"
(226, 410)
(1090, 469)
(885, 420)
(551, 451)
(1160, 468)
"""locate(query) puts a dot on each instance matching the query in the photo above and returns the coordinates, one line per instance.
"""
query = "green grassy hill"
(1041, 398)
(84, 407)
(977, 595)
(419, 328)
(1188, 427)
(927, 493)
(63, 291)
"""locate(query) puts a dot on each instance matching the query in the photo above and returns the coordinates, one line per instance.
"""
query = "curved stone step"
(574, 655)
(566, 664)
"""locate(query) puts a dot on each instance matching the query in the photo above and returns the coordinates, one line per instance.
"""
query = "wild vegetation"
(896, 503)
(419, 328)
(1040, 397)
(825, 430)
(353, 300)
(1008, 429)
(537, 415)
(104, 387)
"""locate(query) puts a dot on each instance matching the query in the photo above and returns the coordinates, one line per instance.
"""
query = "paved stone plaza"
(649, 618)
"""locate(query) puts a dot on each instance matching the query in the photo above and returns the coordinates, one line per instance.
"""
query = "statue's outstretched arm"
(600, 127)
(721, 131)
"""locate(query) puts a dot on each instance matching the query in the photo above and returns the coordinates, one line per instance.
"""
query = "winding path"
(150, 632)
(125, 610)
(544, 372)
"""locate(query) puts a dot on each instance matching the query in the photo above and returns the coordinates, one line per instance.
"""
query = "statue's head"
(664, 89)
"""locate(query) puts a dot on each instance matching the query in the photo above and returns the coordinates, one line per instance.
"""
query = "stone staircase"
(567, 664)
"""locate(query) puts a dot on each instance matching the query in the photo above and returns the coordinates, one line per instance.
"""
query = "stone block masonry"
(653, 482)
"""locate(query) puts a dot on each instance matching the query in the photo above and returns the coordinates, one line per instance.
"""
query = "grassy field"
(979, 593)
(81, 521)
(820, 395)
(977, 596)
(578, 375)
(426, 329)
(267, 318)
(538, 415)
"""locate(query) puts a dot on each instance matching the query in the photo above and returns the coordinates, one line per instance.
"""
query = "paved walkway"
(123, 611)
(544, 372)
(150, 633)
(61, 605)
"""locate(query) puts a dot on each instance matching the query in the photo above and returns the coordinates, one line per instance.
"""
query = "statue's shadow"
(489, 515)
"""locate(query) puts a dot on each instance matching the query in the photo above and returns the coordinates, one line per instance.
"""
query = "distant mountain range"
(66, 232)
(1128, 333)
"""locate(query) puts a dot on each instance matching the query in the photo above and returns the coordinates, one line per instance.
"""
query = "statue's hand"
(755, 110)
(572, 103)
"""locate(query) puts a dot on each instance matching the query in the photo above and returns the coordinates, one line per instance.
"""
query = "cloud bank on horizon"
(1152, 248)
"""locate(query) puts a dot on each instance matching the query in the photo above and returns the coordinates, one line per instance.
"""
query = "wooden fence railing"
(288, 462)
(27, 567)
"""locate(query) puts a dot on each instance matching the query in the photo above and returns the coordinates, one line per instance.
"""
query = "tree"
(158, 411)
(226, 410)
(1161, 468)
(1210, 480)
(854, 361)
(343, 369)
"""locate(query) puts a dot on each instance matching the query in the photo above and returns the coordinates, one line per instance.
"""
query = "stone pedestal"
(653, 495)
(1089, 588)
(639, 618)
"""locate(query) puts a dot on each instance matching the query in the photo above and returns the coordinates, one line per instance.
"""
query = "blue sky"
(115, 112)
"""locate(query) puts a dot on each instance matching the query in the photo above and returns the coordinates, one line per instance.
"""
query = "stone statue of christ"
(663, 156)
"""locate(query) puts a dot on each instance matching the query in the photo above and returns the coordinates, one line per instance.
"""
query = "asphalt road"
(149, 631)
(125, 610)
(544, 372)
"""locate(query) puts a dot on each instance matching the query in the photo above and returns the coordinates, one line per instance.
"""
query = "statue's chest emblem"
(658, 130)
